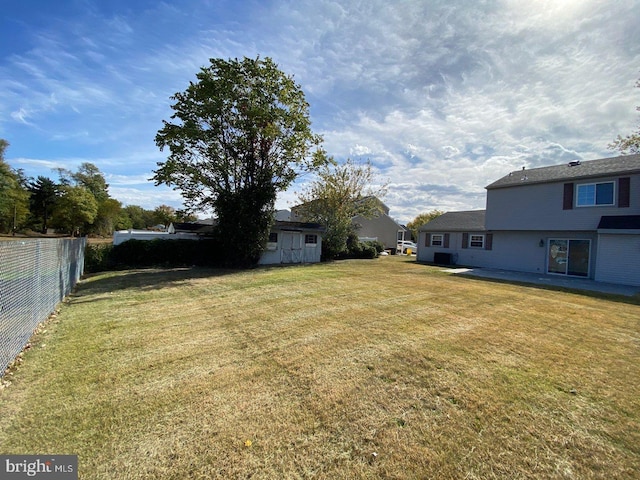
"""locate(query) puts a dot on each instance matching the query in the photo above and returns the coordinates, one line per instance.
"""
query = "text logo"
(44, 467)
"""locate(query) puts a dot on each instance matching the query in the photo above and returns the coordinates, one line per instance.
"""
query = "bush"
(153, 253)
(358, 249)
(98, 258)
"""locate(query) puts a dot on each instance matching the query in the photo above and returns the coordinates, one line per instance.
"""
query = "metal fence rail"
(35, 275)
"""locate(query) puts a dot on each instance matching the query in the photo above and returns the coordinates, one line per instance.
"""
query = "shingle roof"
(469, 221)
(619, 222)
(570, 171)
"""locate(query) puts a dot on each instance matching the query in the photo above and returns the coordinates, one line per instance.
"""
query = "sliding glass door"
(569, 257)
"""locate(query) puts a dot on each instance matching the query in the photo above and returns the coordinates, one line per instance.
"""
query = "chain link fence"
(35, 275)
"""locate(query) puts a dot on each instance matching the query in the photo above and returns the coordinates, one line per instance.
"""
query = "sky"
(443, 97)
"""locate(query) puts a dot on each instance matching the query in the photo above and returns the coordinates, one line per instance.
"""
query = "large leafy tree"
(340, 193)
(140, 218)
(76, 210)
(89, 177)
(109, 217)
(239, 135)
(629, 144)
(14, 197)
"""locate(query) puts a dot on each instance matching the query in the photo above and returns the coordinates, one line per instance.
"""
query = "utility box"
(442, 258)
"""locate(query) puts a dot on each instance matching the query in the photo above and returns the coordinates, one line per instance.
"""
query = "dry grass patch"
(357, 369)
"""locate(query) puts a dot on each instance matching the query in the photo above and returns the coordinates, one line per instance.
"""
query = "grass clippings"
(355, 369)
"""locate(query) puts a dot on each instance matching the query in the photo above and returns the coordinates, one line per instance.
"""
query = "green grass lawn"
(355, 369)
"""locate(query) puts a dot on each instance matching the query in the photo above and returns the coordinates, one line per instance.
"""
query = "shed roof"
(468, 221)
(571, 171)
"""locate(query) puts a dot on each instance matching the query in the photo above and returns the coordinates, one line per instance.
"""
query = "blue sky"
(443, 97)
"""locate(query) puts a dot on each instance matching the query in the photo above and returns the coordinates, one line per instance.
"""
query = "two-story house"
(380, 227)
(578, 219)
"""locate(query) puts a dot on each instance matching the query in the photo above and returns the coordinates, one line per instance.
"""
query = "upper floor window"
(590, 194)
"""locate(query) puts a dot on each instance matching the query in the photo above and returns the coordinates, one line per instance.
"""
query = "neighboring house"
(579, 219)
(381, 227)
(289, 242)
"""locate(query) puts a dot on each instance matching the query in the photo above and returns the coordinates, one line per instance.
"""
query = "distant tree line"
(78, 203)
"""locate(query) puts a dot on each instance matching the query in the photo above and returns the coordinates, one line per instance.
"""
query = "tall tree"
(415, 224)
(109, 217)
(629, 144)
(90, 177)
(340, 193)
(44, 193)
(242, 134)
(14, 198)
(76, 210)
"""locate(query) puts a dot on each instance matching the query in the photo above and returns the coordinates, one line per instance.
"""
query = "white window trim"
(315, 244)
(595, 184)
(437, 237)
(471, 240)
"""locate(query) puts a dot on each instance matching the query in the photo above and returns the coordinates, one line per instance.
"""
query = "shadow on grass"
(631, 300)
(143, 279)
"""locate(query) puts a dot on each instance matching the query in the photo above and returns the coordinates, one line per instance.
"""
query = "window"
(310, 239)
(476, 241)
(437, 240)
(272, 244)
(591, 194)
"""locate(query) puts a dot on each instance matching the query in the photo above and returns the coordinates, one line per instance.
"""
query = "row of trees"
(78, 203)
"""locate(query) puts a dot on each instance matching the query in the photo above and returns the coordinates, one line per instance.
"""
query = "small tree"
(242, 135)
(165, 215)
(420, 220)
(629, 144)
(340, 193)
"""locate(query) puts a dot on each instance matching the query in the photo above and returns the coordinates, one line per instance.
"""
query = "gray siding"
(511, 250)
(614, 266)
(382, 227)
(476, 257)
(305, 253)
(540, 207)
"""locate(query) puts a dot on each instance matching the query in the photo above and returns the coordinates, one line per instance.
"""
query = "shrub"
(98, 258)
(358, 249)
(153, 253)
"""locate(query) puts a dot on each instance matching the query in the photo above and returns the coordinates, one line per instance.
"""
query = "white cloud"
(443, 97)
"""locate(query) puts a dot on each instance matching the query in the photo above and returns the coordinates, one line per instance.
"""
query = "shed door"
(291, 247)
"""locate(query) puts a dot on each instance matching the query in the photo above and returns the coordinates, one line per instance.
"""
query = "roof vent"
(575, 163)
